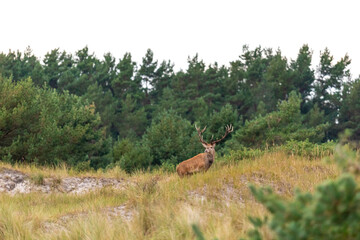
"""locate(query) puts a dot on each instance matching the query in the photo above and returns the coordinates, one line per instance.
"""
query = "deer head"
(210, 147)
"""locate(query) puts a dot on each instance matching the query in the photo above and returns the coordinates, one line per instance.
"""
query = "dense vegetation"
(97, 113)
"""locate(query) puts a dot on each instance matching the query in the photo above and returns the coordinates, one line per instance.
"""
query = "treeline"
(97, 113)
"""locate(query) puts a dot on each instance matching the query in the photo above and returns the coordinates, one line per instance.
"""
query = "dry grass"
(64, 171)
(159, 205)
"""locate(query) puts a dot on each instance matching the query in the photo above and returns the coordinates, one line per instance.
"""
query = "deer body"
(203, 161)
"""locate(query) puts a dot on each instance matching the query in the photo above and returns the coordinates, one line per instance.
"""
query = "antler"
(229, 129)
(200, 134)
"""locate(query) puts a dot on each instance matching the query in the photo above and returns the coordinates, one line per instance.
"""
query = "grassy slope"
(160, 205)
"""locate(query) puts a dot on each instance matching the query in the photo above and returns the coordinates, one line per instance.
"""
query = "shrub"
(278, 127)
(301, 148)
(130, 156)
(308, 149)
(44, 127)
(244, 153)
(168, 167)
(83, 167)
(170, 138)
(331, 212)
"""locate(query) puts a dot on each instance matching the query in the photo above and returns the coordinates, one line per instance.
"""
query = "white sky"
(176, 29)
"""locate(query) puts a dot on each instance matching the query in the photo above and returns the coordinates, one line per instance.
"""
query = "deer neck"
(210, 157)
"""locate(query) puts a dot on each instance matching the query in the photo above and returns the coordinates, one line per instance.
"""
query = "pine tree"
(125, 82)
(329, 81)
(302, 74)
(164, 75)
(147, 72)
(349, 117)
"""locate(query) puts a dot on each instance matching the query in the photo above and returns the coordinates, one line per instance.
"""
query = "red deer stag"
(202, 161)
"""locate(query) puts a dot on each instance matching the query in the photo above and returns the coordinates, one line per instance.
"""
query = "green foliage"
(350, 110)
(261, 109)
(147, 70)
(302, 74)
(20, 66)
(168, 166)
(131, 120)
(217, 121)
(44, 127)
(163, 75)
(122, 97)
(199, 235)
(171, 138)
(83, 166)
(56, 65)
(131, 156)
(37, 179)
(331, 212)
(105, 105)
(304, 149)
(278, 79)
(308, 149)
(124, 83)
(215, 126)
(244, 153)
(346, 155)
(327, 88)
(314, 117)
(280, 126)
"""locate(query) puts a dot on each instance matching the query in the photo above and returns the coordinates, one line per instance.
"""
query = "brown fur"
(199, 163)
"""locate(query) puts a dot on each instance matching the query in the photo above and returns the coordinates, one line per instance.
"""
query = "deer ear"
(213, 144)
(205, 146)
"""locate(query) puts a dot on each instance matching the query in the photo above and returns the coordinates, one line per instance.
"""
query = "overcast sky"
(174, 30)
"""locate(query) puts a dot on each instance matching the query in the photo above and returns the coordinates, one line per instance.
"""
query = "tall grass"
(160, 205)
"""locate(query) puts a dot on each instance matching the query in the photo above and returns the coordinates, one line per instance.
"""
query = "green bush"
(331, 212)
(308, 149)
(168, 167)
(44, 127)
(171, 139)
(349, 114)
(292, 147)
(131, 156)
(83, 167)
(244, 153)
(348, 158)
(278, 127)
